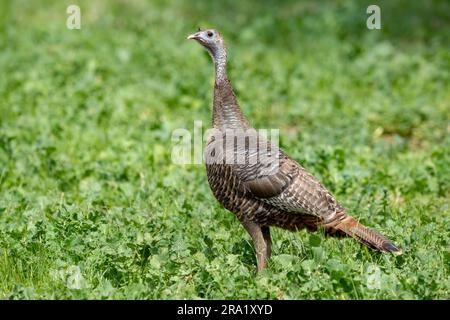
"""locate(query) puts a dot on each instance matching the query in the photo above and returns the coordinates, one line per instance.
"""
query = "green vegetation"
(91, 205)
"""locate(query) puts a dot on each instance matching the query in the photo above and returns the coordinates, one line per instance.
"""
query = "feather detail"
(367, 236)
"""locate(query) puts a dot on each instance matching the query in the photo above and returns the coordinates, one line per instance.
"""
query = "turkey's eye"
(210, 34)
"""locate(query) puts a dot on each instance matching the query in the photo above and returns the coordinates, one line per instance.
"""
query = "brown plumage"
(268, 188)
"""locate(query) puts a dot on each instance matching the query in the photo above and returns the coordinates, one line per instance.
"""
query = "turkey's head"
(210, 39)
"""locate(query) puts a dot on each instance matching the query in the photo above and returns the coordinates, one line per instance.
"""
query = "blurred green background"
(91, 205)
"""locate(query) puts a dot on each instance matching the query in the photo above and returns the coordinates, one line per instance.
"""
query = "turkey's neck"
(226, 111)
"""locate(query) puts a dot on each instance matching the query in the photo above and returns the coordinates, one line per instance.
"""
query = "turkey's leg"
(258, 241)
(266, 234)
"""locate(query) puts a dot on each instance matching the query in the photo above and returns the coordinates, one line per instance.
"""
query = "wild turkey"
(274, 190)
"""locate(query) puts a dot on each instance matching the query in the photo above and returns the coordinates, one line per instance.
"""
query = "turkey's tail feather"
(369, 237)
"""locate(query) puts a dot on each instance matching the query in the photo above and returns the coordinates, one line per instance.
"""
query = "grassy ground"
(91, 205)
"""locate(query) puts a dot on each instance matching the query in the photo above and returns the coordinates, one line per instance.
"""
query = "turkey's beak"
(193, 36)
